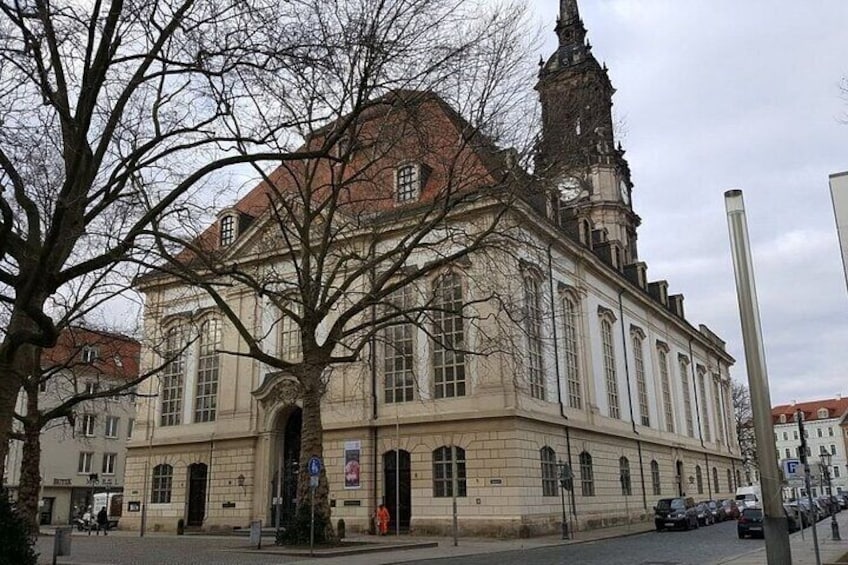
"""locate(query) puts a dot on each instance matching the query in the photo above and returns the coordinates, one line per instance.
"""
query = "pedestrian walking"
(102, 521)
(383, 518)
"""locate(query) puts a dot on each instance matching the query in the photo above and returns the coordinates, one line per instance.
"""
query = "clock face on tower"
(569, 189)
(625, 192)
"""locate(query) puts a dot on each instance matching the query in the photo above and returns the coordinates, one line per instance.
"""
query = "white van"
(747, 497)
(113, 502)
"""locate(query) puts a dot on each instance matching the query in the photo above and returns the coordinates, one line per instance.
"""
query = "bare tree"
(744, 419)
(340, 250)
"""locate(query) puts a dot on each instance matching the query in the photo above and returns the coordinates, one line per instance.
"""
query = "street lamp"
(566, 483)
(826, 460)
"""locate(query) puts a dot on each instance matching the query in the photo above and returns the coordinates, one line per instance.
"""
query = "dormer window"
(783, 418)
(408, 183)
(90, 354)
(823, 413)
(228, 230)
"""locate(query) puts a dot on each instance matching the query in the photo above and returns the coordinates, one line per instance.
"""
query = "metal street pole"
(454, 494)
(799, 417)
(776, 528)
(834, 526)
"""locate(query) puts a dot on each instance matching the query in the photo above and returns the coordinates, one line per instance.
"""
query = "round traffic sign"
(314, 466)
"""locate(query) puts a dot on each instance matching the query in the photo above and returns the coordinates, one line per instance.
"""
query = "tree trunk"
(312, 445)
(30, 483)
(10, 386)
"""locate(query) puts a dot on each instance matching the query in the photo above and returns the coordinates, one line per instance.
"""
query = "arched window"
(443, 472)
(533, 307)
(699, 479)
(587, 479)
(398, 360)
(624, 476)
(729, 481)
(687, 396)
(665, 385)
(163, 475)
(738, 479)
(705, 416)
(228, 230)
(208, 368)
(641, 385)
(571, 350)
(717, 412)
(448, 337)
(549, 471)
(655, 478)
(173, 374)
(716, 487)
(609, 368)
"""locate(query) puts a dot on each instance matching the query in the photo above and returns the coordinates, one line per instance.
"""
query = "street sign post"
(314, 468)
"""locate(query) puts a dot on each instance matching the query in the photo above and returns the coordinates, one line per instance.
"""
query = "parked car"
(730, 509)
(719, 513)
(795, 508)
(793, 519)
(675, 513)
(750, 523)
(843, 499)
(705, 515)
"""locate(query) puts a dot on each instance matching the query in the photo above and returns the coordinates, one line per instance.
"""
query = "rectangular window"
(443, 472)
(785, 436)
(130, 425)
(787, 452)
(399, 350)
(448, 338)
(172, 379)
(687, 398)
(609, 369)
(84, 464)
(665, 383)
(719, 420)
(91, 388)
(290, 341)
(109, 460)
(208, 366)
(228, 230)
(835, 471)
(795, 434)
(112, 426)
(705, 417)
(90, 353)
(832, 449)
(641, 385)
(572, 371)
(819, 432)
(533, 299)
(550, 478)
(88, 425)
(830, 431)
(42, 386)
(407, 183)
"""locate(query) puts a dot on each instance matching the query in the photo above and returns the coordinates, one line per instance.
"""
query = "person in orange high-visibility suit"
(383, 518)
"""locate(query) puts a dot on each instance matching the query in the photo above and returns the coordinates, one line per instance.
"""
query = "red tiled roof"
(836, 407)
(117, 355)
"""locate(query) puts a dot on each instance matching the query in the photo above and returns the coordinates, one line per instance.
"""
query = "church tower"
(577, 159)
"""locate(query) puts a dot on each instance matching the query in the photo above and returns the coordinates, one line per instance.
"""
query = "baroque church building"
(606, 378)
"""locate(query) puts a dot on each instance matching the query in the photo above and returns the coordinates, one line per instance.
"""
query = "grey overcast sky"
(719, 94)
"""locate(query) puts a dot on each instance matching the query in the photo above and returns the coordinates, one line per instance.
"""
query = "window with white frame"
(443, 466)
(448, 337)
(624, 476)
(208, 368)
(819, 432)
(641, 384)
(91, 388)
(609, 368)
(550, 478)
(687, 397)
(823, 413)
(705, 416)
(719, 419)
(587, 475)
(665, 385)
(399, 349)
(84, 463)
(88, 422)
(656, 484)
(533, 323)
(699, 479)
(228, 230)
(109, 461)
(408, 183)
(112, 426)
(163, 476)
(571, 351)
(130, 425)
(172, 378)
(291, 349)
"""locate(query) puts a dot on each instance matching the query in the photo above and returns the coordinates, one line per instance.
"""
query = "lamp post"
(566, 483)
(826, 460)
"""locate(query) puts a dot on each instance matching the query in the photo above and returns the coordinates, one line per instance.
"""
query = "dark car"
(750, 523)
(675, 513)
(730, 509)
(793, 518)
(705, 515)
(800, 511)
(719, 513)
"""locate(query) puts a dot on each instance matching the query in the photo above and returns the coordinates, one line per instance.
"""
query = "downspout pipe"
(630, 398)
(695, 388)
(374, 414)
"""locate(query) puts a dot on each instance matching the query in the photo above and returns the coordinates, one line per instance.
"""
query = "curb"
(343, 552)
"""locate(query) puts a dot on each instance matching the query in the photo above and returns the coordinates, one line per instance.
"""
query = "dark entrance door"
(196, 494)
(398, 488)
(291, 462)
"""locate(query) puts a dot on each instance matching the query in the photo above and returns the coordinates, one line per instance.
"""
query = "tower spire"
(568, 11)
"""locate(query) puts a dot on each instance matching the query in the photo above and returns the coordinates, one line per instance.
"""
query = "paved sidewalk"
(803, 552)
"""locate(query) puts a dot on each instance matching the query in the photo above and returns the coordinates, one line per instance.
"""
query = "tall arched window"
(624, 476)
(571, 349)
(665, 385)
(291, 349)
(699, 479)
(549, 471)
(448, 337)
(687, 396)
(399, 354)
(163, 475)
(173, 375)
(443, 472)
(716, 487)
(705, 415)
(729, 481)
(533, 306)
(641, 385)
(609, 368)
(717, 412)
(655, 478)
(208, 369)
(228, 230)
(587, 478)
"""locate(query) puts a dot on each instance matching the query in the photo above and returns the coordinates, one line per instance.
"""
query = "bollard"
(340, 529)
(62, 542)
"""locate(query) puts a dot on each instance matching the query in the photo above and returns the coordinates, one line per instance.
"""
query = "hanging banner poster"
(352, 450)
